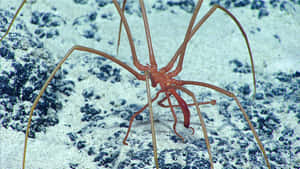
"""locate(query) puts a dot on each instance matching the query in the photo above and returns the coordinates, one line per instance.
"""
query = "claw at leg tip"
(124, 142)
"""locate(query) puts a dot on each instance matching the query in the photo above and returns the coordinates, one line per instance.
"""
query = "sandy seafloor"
(83, 117)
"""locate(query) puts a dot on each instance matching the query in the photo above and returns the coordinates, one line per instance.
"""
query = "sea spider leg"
(135, 114)
(148, 36)
(208, 14)
(161, 104)
(151, 119)
(120, 28)
(186, 117)
(13, 20)
(174, 116)
(74, 48)
(136, 62)
(147, 31)
(124, 21)
(200, 118)
(229, 94)
(180, 51)
(202, 124)
(153, 63)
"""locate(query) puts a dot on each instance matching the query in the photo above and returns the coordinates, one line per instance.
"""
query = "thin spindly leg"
(148, 36)
(229, 94)
(200, 118)
(13, 20)
(161, 104)
(209, 13)
(147, 30)
(135, 114)
(120, 28)
(182, 48)
(174, 116)
(151, 119)
(136, 62)
(131, 121)
(74, 48)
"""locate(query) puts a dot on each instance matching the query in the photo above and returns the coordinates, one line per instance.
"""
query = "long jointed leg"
(135, 114)
(147, 31)
(161, 104)
(174, 116)
(120, 28)
(208, 14)
(13, 20)
(200, 118)
(136, 62)
(74, 48)
(181, 50)
(229, 94)
(151, 120)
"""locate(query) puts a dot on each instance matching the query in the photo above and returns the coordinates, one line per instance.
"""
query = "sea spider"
(164, 77)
